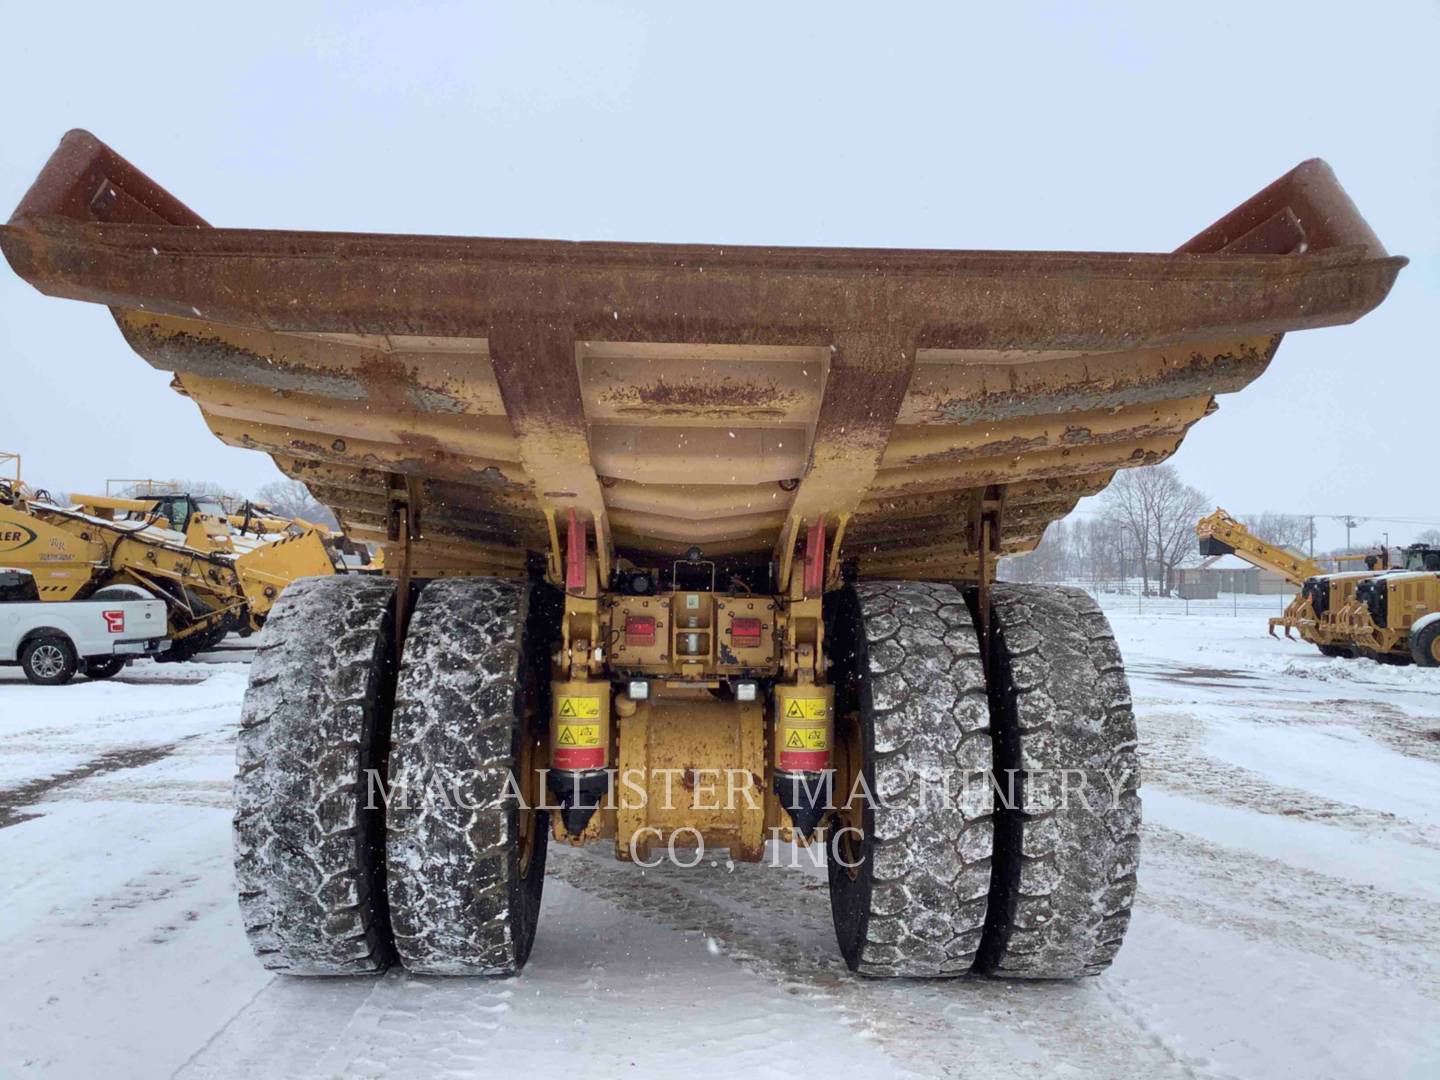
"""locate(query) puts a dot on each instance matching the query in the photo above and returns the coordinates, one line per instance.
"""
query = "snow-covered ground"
(1288, 921)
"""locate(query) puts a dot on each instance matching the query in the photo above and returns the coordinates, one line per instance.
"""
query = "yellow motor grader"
(690, 547)
(1382, 612)
(1388, 614)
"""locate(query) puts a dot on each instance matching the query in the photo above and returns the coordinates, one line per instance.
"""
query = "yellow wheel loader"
(686, 548)
(256, 523)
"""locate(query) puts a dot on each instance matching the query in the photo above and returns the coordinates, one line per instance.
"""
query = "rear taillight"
(745, 633)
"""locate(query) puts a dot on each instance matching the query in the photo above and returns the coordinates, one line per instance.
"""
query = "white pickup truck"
(97, 636)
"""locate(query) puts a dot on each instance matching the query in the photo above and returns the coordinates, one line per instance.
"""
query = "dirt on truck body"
(681, 509)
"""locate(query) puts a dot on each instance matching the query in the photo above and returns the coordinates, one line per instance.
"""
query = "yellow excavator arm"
(1222, 534)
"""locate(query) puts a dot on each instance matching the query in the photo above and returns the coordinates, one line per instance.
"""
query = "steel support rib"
(535, 367)
(869, 374)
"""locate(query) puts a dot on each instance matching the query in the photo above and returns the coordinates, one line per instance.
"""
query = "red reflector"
(745, 633)
(639, 630)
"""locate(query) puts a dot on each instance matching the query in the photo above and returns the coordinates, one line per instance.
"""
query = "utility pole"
(1350, 521)
(1312, 536)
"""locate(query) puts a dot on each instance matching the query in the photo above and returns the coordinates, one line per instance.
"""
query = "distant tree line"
(1145, 532)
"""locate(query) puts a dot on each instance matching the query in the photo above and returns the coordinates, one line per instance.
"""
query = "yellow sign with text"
(578, 708)
(806, 738)
(579, 735)
(805, 708)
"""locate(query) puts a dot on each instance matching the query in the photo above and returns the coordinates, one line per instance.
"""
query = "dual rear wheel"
(363, 840)
(997, 830)
(1000, 817)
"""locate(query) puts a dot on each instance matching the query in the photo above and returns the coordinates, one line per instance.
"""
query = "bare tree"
(1283, 530)
(200, 489)
(1158, 511)
(1129, 506)
(1177, 507)
(292, 499)
(1146, 528)
(1429, 536)
(1049, 561)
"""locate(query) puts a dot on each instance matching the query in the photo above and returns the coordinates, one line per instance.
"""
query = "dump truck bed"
(679, 395)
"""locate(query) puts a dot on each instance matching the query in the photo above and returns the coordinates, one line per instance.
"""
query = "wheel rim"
(47, 661)
(1435, 649)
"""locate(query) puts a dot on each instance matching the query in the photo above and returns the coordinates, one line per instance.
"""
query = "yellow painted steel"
(1223, 528)
(580, 716)
(691, 767)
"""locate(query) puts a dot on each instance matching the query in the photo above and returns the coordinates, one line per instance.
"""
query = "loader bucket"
(467, 394)
(265, 571)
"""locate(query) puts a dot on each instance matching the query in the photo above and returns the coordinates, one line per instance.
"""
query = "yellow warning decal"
(578, 735)
(805, 708)
(806, 738)
(581, 708)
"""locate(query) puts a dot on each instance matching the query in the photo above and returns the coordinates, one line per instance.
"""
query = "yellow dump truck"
(687, 547)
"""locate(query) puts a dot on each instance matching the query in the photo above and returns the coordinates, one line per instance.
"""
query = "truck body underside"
(689, 395)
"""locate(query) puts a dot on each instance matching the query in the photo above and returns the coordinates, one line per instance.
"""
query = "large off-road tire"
(1425, 645)
(1066, 853)
(911, 704)
(1334, 651)
(192, 645)
(309, 819)
(466, 868)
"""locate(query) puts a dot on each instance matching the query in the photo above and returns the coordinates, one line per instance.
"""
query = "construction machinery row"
(1388, 614)
(655, 515)
(178, 548)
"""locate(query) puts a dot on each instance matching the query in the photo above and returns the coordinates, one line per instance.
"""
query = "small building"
(1229, 574)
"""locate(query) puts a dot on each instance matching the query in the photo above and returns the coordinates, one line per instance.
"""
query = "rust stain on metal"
(1194, 375)
(691, 395)
(214, 358)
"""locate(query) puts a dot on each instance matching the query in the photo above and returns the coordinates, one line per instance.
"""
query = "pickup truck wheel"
(49, 661)
(104, 667)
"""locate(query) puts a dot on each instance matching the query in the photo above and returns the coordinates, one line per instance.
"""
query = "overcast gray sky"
(895, 125)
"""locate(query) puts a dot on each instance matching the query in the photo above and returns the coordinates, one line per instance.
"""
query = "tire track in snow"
(85, 732)
(1171, 757)
(1205, 884)
(27, 794)
(413, 1026)
(776, 924)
